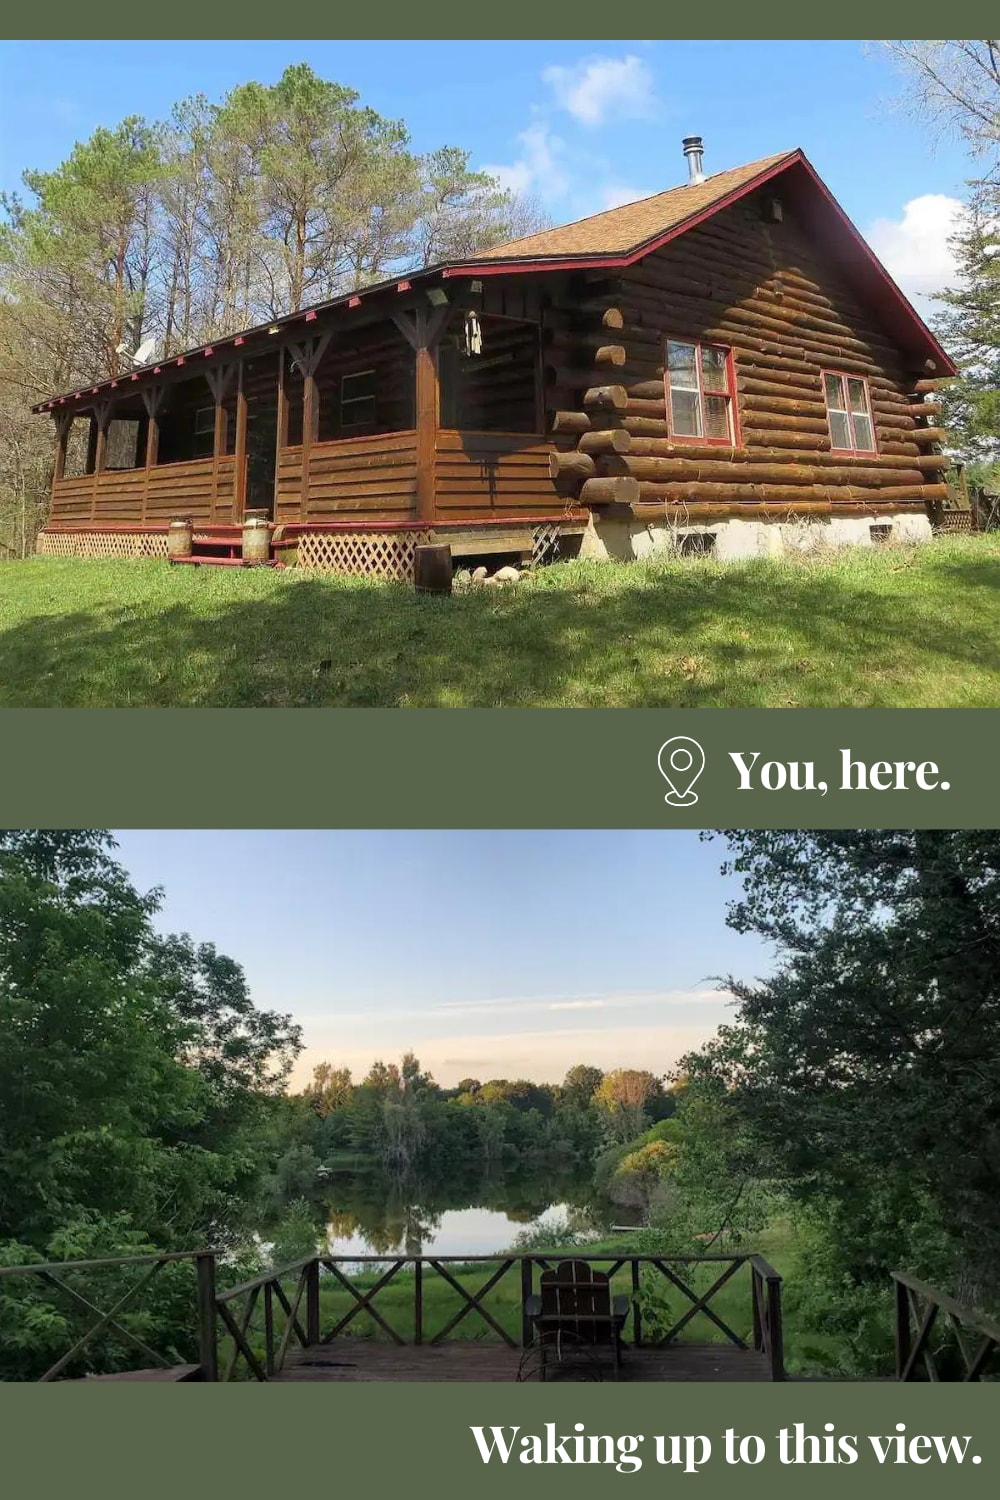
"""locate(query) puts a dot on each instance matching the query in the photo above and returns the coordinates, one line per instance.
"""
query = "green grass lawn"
(879, 627)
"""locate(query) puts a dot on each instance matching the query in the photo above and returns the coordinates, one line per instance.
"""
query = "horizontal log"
(929, 463)
(749, 473)
(782, 306)
(647, 390)
(609, 354)
(928, 383)
(773, 437)
(572, 465)
(683, 513)
(610, 397)
(622, 490)
(646, 426)
(568, 421)
(924, 409)
(788, 494)
(922, 436)
(611, 440)
(668, 447)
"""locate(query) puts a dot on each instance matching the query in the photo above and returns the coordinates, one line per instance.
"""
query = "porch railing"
(62, 1280)
(317, 1300)
(247, 1331)
(938, 1338)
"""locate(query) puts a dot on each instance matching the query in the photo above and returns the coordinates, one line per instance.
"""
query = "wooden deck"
(483, 1362)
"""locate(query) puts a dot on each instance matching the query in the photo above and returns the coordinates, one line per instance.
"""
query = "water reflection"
(378, 1215)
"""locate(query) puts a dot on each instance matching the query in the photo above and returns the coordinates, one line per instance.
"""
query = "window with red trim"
(700, 392)
(849, 413)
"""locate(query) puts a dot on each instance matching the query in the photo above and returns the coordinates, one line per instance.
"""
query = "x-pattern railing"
(109, 1320)
(922, 1312)
(361, 1281)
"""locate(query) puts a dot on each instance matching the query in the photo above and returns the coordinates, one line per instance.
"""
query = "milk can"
(179, 537)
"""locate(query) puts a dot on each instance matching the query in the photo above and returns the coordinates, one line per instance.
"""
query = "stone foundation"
(731, 538)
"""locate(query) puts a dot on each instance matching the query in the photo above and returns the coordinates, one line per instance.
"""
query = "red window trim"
(844, 376)
(733, 440)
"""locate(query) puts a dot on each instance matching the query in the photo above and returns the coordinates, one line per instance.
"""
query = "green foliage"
(135, 1074)
(865, 1073)
(970, 329)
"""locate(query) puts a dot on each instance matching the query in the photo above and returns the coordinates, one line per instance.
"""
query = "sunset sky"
(494, 953)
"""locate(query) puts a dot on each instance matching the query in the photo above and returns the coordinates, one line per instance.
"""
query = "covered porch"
(420, 415)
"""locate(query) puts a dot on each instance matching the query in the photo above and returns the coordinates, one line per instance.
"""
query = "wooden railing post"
(312, 1302)
(636, 1314)
(755, 1292)
(903, 1339)
(526, 1328)
(776, 1338)
(418, 1302)
(208, 1354)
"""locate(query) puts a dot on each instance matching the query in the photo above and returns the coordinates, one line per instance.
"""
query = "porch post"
(152, 399)
(281, 428)
(63, 421)
(103, 416)
(307, 356)
(422, 332)
(219, 381)
(240, 476)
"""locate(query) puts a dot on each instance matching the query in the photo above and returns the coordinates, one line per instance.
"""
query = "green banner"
(558, 768)
(580, 1440)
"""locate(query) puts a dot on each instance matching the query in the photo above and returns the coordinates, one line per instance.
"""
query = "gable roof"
(616, 238)
(622, 229)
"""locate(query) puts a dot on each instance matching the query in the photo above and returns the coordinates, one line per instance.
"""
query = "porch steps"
(211, 561)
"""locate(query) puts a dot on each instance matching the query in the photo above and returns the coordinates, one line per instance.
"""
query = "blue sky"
(492, 953)
(580, 125)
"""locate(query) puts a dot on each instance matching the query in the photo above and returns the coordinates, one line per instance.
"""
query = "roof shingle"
(618, 230)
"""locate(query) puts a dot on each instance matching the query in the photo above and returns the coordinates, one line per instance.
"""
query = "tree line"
(222, 216)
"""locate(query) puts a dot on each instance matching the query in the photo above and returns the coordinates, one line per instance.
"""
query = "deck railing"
(398, 1298)
(940, 1339)
(63, 1280)
(265, 1316)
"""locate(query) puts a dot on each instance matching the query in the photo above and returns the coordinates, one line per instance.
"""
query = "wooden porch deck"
(484, 1362)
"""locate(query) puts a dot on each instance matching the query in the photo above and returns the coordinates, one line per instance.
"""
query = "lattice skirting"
(379, 554)
(131, 544)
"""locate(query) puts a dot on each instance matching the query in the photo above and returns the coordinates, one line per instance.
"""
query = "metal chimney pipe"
(695, 153)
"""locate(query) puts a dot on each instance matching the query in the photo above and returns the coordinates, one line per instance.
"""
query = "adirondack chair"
(574, 1310)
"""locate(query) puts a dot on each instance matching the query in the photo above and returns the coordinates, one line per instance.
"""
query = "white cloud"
(538, 169)
(914, 248)
(615, 194)
(603, 86)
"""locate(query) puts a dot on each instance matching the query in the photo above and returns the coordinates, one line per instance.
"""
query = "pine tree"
(970, 329)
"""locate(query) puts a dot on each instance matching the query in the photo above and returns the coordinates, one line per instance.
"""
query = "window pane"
(713, 368)
(863, 439)
(687, 417)
(857, 395)
(834, 391)
(840, 431)
(717, 417)
(681, 360)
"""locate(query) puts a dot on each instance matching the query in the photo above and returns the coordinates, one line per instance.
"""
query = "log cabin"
(723, 366)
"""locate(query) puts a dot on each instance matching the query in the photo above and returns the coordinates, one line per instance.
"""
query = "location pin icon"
(681, 761)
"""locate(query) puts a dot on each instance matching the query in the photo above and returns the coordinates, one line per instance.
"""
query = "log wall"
(767, 290)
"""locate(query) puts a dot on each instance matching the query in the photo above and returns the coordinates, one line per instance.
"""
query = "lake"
(455, 1231)
(372, 1214)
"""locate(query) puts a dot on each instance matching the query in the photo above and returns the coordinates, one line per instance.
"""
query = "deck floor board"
(482, 1362)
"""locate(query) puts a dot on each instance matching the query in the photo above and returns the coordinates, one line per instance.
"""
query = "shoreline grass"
(881, 627)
